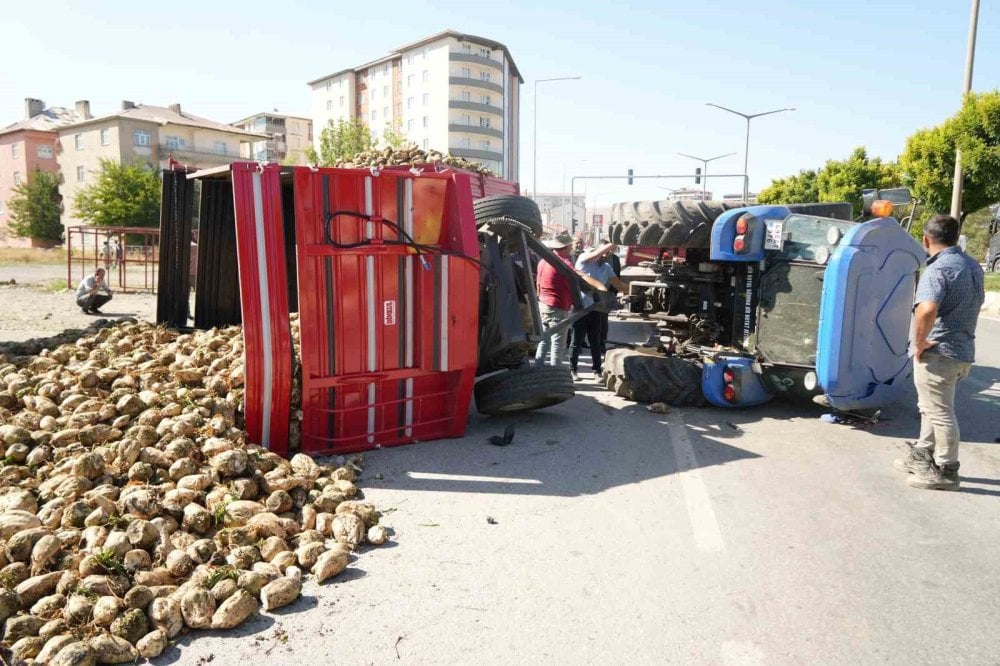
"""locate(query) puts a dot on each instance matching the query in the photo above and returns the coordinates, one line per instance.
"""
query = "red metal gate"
(260, 250)
(388, 298)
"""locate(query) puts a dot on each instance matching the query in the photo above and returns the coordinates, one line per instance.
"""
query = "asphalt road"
(698, 537)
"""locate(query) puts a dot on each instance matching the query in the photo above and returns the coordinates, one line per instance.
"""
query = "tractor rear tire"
(521, 209)
(671, 223)
(523, 390)
(646, 378)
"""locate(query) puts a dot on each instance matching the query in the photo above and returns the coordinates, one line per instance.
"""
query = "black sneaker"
(944, 477)
(917, 459)
(574, 375)
(95, 311)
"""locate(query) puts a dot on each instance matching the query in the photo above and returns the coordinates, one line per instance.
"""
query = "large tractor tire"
(647, 378)
(509, 206)
(685, 224)
(523, 390)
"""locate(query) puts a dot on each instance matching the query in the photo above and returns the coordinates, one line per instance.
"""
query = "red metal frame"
(260, 248)
(389, 332)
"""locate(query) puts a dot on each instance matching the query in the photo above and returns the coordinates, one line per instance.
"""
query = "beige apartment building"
(451, 92)
(288, 138)
(152, 135)
(27, 146)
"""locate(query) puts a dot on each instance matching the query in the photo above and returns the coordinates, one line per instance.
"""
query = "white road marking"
(704, 526)
(434, 476)
(741, 653)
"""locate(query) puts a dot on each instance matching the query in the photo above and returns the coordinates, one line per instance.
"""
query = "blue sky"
(859, 73)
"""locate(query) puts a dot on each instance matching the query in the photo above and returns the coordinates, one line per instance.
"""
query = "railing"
(475, 83)
(178, 153)
(475, 129)
(473, 58)
(474, 106)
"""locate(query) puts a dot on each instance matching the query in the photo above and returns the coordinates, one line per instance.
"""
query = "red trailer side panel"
(388, 302)
(260, 252)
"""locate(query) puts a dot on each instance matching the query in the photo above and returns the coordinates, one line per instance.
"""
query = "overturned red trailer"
(382, 267)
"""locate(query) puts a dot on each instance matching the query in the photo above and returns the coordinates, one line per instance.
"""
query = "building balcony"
(474, 106)
(476, 59)
(475, 129)
(476, 154)
(194, 155)
(475, 83)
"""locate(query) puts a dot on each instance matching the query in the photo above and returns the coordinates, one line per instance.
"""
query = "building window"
(409, 102)
(426, 121)
(105, 137)
(142, 138)
(427, 98)
(385, 112)
(484, 76)
(427, 76)
(484, 144)
(409, 79)
(78, 141)
(374, 94)
(81, 173)
(385, 91)
(485, 99)
(175, 142)
(484, 122)
(329, 105)
(340, 84)
(466, 73)
(466, 119)
(221, 148)
(466, 96)
(464, 142)
(15, 150)
(466, 48)
(409, 125)
(44, 152)
(423, 54)
(328, 86)
(17, 178)
(361, 98)
(485, 52)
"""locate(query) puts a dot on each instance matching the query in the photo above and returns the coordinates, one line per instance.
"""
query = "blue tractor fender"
(747, 387)
(730, 245)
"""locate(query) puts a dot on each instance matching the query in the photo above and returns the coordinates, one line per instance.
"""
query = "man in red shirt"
(555, 301)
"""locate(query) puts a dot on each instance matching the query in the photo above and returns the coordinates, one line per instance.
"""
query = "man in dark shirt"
(949, 296)
(555, 300)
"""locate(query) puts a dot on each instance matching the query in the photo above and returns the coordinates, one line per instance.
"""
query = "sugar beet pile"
(132, 507)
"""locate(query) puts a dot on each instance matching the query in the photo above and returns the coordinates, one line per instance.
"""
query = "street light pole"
(534, 133)
(704, 168)
(746, 149)
(970, 58)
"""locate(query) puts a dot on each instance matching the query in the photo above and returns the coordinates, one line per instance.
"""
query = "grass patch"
(56, 286)
(992, 282)
(32, 255)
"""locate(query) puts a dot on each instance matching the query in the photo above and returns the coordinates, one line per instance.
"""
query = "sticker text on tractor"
(747, 306)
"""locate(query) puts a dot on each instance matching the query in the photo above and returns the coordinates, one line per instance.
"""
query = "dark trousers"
(92, 301)
(604, 332)
(589, 328)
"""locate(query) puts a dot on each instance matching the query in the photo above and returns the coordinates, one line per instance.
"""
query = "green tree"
(838, 180)
(800, 188)
(35, 207)
(929, 157)
(392, 138)
(123, 195)
(341, 140)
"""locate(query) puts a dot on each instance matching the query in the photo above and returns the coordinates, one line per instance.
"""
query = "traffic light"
(630, 176)
(697, 175)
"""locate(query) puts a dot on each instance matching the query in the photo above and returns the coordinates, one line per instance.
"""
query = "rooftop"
(270, 113)
(493, 44)
(162, 115)
(48, 120)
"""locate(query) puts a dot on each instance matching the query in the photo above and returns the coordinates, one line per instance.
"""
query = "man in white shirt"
(93, 293)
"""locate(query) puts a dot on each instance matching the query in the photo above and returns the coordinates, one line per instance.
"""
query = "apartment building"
(142, 133)
(29, 145)
(288, 137)
(451, 92)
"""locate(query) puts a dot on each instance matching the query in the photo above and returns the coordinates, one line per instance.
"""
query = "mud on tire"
(646, 378)
(524, 389)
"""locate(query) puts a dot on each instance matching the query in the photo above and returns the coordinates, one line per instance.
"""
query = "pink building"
(29, 144)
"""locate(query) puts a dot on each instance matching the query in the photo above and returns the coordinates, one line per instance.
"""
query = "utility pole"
(970, 58)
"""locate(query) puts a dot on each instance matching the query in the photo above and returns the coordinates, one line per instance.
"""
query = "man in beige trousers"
(949, 296)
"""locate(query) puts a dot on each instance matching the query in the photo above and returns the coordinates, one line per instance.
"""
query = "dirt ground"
(32, 308)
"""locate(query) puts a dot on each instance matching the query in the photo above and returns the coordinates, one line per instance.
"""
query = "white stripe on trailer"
(370, 290)
(265, 310)
(408, 313)
(444, 312)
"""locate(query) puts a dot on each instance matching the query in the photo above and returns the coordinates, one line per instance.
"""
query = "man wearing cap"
(93, 292)
(593, 263)
(555, 300)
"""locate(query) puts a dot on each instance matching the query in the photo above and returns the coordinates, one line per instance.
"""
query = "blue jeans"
(553, 347)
